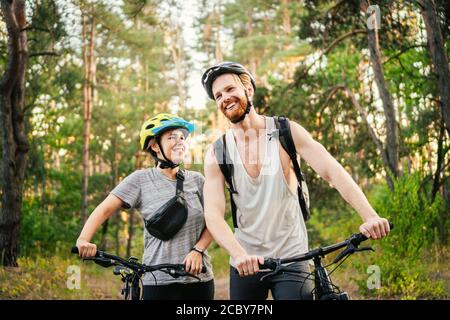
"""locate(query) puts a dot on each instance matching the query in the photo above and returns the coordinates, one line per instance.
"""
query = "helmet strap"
(166, 163)
(247, 110)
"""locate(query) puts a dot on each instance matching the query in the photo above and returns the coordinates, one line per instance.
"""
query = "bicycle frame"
(324, 288)
(322, 281)
(131, 282)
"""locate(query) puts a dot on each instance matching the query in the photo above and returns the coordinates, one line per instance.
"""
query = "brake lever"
(275, 271)
(104, 262)
(351, 250)
(347, 251)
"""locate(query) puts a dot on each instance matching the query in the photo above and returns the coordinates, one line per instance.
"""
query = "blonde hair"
(243, 80)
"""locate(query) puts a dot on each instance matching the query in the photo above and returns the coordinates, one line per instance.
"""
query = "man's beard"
(238, 111)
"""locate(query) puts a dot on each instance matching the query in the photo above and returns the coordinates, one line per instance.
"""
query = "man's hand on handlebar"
(375, 228)
(248, 265)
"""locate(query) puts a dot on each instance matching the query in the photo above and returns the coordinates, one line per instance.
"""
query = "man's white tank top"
(269, 217)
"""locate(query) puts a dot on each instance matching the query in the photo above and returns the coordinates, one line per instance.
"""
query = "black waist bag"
(169, 218)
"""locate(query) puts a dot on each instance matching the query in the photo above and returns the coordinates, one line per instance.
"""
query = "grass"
(48, 278)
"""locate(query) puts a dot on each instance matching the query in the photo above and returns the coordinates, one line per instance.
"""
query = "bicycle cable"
(154, 277)
(340, 262)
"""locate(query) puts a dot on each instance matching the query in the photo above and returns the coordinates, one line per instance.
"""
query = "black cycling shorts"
(180, 291)
(282, 286)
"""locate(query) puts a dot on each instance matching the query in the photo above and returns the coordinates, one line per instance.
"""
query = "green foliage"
(412, 263)
(50, 217)
(407, 257)
(413, 213)
(409, 279)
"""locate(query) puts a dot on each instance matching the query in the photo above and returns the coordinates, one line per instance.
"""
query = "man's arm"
(330, 170)
(213, 193)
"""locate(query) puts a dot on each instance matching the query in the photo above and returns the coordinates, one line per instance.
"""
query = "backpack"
(227, 168)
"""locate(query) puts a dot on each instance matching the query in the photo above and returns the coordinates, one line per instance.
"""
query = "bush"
(412, 213)
(404, 259)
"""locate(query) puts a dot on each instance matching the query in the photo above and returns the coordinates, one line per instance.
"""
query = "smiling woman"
(168, 200)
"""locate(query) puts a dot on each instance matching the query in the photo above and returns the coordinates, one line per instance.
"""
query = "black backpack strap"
(180, 180)
(286, 141)
(227, 168)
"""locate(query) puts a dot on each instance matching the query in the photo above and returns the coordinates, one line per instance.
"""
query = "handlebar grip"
(264, 265)
(269, 263)
(203, 269)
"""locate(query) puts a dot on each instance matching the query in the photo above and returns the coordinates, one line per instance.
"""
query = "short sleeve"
(129, 191)
(200, 182)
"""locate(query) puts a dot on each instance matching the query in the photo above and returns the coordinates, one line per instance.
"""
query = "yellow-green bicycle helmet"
(159, 124)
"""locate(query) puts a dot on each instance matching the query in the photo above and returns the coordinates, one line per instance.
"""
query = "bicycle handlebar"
(354, 240)
(105, 259)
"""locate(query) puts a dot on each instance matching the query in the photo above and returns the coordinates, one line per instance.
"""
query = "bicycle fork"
(324, 287)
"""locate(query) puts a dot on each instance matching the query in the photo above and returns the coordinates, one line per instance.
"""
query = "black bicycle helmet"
(224, 67)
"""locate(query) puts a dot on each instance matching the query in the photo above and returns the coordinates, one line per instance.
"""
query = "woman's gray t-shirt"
(147, 190)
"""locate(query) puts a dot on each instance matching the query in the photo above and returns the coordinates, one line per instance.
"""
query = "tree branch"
(363, 114)
(44, 53)
(325, 52)
(404, 50)
(34, 28)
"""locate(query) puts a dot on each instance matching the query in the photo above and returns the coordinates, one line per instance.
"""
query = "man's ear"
(250, 92)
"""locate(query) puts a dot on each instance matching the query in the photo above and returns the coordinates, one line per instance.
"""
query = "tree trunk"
(103, 240)
(218, 55)
(286, 18)
(88, 93)
(372, 134)
(113, 182)
(439, 164)
(14, 140)
(388, 106)
(287, 29)
(130, 231)
(252, 64)
(177, 48)
(132, 212)
(438, 56)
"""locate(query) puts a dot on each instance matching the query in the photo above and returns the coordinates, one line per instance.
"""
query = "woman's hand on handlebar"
(86, 249)
(193, 262)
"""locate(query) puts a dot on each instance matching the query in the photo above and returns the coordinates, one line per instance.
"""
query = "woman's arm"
(193, 260)
(103, 211)
(205, 240)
